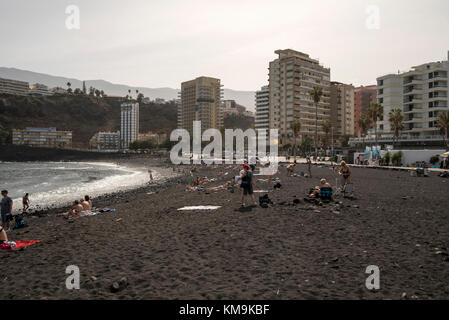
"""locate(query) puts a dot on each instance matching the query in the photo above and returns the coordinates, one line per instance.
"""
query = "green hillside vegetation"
(83, 114)
(86, 114)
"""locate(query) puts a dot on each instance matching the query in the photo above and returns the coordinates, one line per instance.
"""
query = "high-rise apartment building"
(129, 126)
(364, 96)
(292, 76)
(421, 94)
(342, 109)
(200, 101)
(262, 120)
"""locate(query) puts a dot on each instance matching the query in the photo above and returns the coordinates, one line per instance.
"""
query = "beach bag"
(19, 222)
(264, 201)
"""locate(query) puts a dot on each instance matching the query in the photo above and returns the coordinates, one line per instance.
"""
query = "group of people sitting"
(79, 206)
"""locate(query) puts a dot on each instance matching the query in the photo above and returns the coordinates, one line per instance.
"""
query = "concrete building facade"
(105, 141)
(342, 109)
(8, 86)
(292, 76)
(200, 100)
(364, 96)
(42, 137)
(421, 94)
(40, 89)
(129, 125)
(262, 120)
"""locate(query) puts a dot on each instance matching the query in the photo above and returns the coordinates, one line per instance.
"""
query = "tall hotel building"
(342, 109)
(262, 120)
(421, 94)
(291, 78)
(129, 126)
(363, 98)
(200, 101)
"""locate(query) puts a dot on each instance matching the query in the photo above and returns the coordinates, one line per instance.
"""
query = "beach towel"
(199, 208)
(262, 191)
(18, 245)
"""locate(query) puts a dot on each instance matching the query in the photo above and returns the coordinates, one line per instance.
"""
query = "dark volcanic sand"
(284, 252)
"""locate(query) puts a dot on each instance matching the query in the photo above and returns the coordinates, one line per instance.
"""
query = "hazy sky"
(160, 43)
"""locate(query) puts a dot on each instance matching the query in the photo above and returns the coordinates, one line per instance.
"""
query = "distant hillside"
(84, 115)
(245, 98)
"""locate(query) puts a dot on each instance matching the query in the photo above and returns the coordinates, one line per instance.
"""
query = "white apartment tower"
(292, 76)
(129, 125)
(421, 94)
(262, 120)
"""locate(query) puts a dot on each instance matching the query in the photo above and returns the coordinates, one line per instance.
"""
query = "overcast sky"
(160, 43)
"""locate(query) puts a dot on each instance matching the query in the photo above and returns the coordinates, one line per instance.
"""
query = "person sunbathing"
(87, 198)
(85, 204)
(315, 192)
(75, 210)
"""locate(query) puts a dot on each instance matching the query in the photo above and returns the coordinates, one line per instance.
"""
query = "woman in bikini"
(345, 172)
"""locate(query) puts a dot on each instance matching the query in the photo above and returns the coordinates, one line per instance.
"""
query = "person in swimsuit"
(345, 172)
(26, 202)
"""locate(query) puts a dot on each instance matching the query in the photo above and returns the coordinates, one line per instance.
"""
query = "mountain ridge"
(245, 98)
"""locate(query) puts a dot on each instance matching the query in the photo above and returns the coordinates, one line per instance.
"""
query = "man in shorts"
(6, 210)
(246, 178)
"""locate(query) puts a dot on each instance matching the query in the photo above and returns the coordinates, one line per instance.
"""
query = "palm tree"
(364, 123)
(443, 124)
(326, 126)
(375, 112)
(396, 120)
(296, 127)
(316, 94)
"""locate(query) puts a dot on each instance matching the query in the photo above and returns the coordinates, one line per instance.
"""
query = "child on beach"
(26, 202)
(151, 176)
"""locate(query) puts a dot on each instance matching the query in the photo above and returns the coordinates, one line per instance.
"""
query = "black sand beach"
(399, 223)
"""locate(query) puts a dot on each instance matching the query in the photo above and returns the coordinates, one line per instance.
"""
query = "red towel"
(23, 244)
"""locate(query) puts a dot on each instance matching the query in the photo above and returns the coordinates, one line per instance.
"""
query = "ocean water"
(60, 183)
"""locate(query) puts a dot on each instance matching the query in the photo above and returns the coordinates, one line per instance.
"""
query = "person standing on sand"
(150, 172)
(26, 202)
(309, 166)
(247, 184)
(6, 210)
